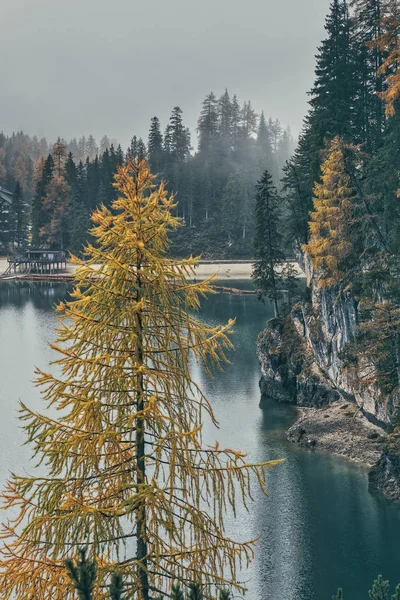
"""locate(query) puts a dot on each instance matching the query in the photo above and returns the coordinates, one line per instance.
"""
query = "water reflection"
(320, 528)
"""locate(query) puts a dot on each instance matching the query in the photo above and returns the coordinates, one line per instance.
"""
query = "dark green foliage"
(83, 575)
(225, 594)
(380, 589)
(177, 592)
(155, 146)
(267, 240)
(117, 587)
(195, 592)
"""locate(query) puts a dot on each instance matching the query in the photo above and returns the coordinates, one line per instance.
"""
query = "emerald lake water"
(320, 527)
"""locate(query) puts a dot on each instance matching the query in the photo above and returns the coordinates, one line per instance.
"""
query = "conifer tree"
(225, 118)
(83, 575)
(18, 219)
(128, 475)
(380, 589)
(117, 587)
(60, 154)
(389, 45)
(57, 208)
(141, 150)
(104, 144)
(155, 146)
(207, 124)
(195, 592)
(299, 175)
(333, 90)
(332, 244)
(39, 217)
(368, 58)
(177, 592)
(264, 137)
(267, 241)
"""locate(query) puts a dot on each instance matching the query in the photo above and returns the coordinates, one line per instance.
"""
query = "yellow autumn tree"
(389, 45)
(128, 476)
(331, 243)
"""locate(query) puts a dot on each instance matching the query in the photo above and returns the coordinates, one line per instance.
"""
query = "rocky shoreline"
(332, 418)
(340, 429)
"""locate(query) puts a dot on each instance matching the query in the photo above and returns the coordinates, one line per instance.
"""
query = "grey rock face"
(302, 363)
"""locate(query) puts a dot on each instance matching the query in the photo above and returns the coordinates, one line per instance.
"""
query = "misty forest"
(213, 186)
(239, 282)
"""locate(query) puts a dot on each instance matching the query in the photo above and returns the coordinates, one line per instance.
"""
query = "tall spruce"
(155, 146)
(268, 252)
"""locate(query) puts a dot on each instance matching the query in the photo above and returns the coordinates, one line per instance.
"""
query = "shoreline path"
(223, 270)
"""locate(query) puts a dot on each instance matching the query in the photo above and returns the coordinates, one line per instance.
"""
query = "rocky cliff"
(302, 362)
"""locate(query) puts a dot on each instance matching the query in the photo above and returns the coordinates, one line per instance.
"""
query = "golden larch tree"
(388, 44)
(330, 246)
(128, 476)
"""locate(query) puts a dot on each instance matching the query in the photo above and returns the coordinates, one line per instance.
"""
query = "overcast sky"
(108, 66)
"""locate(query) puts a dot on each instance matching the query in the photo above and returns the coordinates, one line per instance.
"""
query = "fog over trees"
(213, 177)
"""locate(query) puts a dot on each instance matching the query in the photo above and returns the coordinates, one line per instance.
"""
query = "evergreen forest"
(59, 185)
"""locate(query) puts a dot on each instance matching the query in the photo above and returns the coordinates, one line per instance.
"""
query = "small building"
(39, 261)
(6, 198)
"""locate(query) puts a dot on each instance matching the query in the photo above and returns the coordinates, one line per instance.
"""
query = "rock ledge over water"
(339, 429)
(301, 359)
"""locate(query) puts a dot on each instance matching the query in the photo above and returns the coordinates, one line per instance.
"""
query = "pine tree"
(333, 90)
(369, 114)
(125, 458)
(225, 594)
(380, 590)
(332, 245)
(178, 136)
(104, 144)
(275, 132)
(91, 148)
(207, 124)
(235, 122)
(117, 587)
(57, 208)
(264, 138)
(155, 146)
(225, 119)
(248, 119)
(195, 592)
(177, 592)
(59, 153)
(389, 45)
(141, 150)
(83, 575)
(267, 241)
(39, 217)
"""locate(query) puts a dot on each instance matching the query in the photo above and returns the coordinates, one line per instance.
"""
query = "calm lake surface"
(320, 527)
